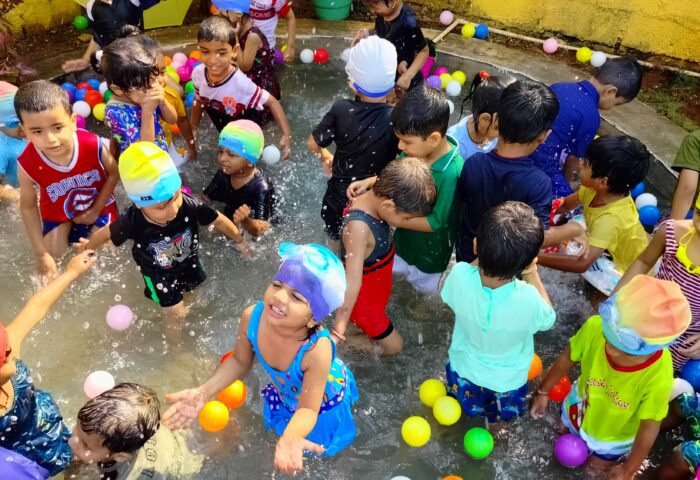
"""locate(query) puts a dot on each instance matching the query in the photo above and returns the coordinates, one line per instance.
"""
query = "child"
(618, 81)
(30, 421)
(478, 132)
(621, 396)
(612, 166)
(361, 128)
(404, 189)
(133, 113)
(223, 90)
(496, 315)
(248, 194)
(677, 244)
(12, 142)
(687, 164)
(120, 430)
(74, 173)
(308, 402)
(164, 224)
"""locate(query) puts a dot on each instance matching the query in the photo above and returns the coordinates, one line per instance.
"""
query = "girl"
(29, 419)
(478, 132)
(308, 402)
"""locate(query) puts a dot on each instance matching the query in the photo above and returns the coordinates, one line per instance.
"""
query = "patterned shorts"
(690, 407)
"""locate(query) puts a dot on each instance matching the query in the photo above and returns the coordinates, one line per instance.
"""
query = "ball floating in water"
(447, 410)
(189, 100)
(452, 477)
(94, 83)
(451, 105)
(598, 59)
(184, 72)
(637, 190)
(108, 94)
(80, 22)
(550, 45)
(440, 70)
(691, 373)
(535, 367)
(306, 55)
(119, 317)
(321, 55)
(453, 88)
(271, 155)
(584, 54)
(213, 416)
(279, 56)
(79, 94)
(434, 81)
(570, 450)
(180, 58)
(445, 78)
(213, 10)
(680, 387)
(173, 74)
(415, 431)
(645, 199)
(459, 76)
(478, 443)
(468, 30)
(430, 390)
(84, 86)
(71, 95)
(97, 383)
(345, 55)
(82, 108)
(559, 391)
(446, 17)
(482, 31)
(649, 215)
(234, 395)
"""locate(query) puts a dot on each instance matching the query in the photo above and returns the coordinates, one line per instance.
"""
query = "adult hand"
(46, 266)
(289, 453)
(185, 407)
(80, 263)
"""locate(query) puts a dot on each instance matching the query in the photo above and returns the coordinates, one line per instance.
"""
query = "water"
(74, 340)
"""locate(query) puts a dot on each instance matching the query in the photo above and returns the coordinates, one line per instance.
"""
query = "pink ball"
(180, 58)
(446, 17)
(550, 45)
(190, 62)
(120, 317)
(97, 383)
(79, 121)
(440, 70)
(184, 72)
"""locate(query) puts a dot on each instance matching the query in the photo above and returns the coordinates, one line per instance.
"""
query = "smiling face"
(417, 146)
(286, 307)
(51, 131)
(218, 57)
(232, 164)
(163, 212)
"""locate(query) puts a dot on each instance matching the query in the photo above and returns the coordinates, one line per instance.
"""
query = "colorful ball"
(71, 95)
(415, 431)
(119, 317)
(478, 443)
(649, 215)
(82, 108)
(645, 199)
(97, 383)
(173, 74)
(80, 22)
(271, 155)
(691, 373)
(191, 62)
(180, 58)
(447, 410)
(445, 78)
(550, 45)
(468, 30)
(167, 60)
(93, 97)
(108, 94)
(306, 55)
(535, 367)
(68, 87)
(446, 17)
(196, 54)
(321, 55)
(453, 88)
(94, 83)
(559, 391)
(189, 87)
(459, 76)
(98, 111)
(430, 390)
(103, 88)
(80, 122)
(452, 477)
(400, 477)
(189, 100)
(482, 31)
(570, 450)
(234, 395)
(584, 54)
(283, 48)
(184, 73)
(440, 70)
(213, 10)
(226, 356)
(638, 190)
(84, 86)
(279, 56)
(680, 387)
(434, 81)
(598, 59)
(213, 416)
(79, 94)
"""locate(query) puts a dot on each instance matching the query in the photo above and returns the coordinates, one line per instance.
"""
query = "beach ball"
(180, 58)
(478, 442)
(279, 56)
(468, 30)
(434, 81)
(103, 88)
(92, 98)
(80, 22)
(570, 450)
(213, 416)
(189, 87)
(98, 111)
(80, 122)
(234, 395)
(680, 387)
(637, 190)
(535, 367)
(446, 17)
(453, 88)
(68, 87)
(93, 82)
(415, 431)
(306, 55)
(321, 55)
(119, 317)
(451, 105)
(108, 94)
(440, 70)
(459, 76)
(598, 59)
(189, 100)
(645, 199)
(430, 390)
(271, 154)
(184, 72)
(649, 215)
(97, 383)
(82, 108)
(196, 54)
(447, 410)
(559, 391)
(550, 45)
(584, 54)
(691, 373)
(345, 55)
(445, 78)
(482, 31)
(226, 356)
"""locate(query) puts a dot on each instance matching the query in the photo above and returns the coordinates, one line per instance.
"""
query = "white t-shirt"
(265, 14)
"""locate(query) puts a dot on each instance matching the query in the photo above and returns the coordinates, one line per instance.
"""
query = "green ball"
(478, 443)
(80, 22)
(189, 87)
(108, 94)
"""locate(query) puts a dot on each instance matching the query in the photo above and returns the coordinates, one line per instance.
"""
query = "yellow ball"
(459, 76)
(213, 416)
(584, 54)
(468, 30)
(431, 390)
(234, 395)
(415, 431)
(283, 48)
(98, 111)
(447, 410)
(173, 74)
(445, 78)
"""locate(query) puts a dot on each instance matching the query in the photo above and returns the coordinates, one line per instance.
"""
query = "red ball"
(93, 97)
(321, 55)
(559, 392)
(84, 85)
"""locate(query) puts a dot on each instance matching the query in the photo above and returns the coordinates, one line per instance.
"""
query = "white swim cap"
(372, 66)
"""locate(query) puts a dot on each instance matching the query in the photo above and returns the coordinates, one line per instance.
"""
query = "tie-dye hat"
(244, 138)
(316, 273)
(148, 174)
(242, 6)
(8, 115)
(645, 316)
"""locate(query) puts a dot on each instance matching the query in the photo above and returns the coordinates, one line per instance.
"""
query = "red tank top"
(65, 192)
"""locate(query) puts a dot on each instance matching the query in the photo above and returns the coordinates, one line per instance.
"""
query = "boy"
(687, 164)
(248, 194)
(74, 173)
(361, 128)
(525, 113)
(223, 90)
(617, 403)
(164, 224)
(120, 431)
(492, 345)
(12, 142)
(404, 189)
(611, 167)
(617, 82)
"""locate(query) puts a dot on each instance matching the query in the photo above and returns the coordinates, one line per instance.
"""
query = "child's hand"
(241, 214)
(538, 406)
(191, 153)
(361, 34)
(186, 406)
(327, 164)
(403, 82)
(46, 265)
(286, 146)
(81, 244)
(619, 472)
(245, 249)
(80, 263)
(289, 453)
(151, 98)
(582, 240)
(88, 217)
(359, 187)
(289, 54)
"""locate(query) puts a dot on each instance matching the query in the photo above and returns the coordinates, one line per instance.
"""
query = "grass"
(673, 98)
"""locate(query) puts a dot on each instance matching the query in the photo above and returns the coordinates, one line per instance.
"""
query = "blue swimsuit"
(335, 427)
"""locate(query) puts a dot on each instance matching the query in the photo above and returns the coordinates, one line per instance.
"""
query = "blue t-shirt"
(10, 148)
(467, 147)
(487, 180)
(492, 342)
(574, 129)
(124, 120)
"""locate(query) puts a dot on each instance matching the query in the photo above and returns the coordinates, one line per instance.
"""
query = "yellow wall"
(36, 15)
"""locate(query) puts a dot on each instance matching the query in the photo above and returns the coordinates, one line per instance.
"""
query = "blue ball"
(690, 214)
(637, 190)
(68, 87)
(482, 31)
(94, 83)
(691, 373)
(649, 215)
(189, 100)
(80, 94)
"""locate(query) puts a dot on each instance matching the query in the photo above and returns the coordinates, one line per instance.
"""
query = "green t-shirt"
(430, 252)
(688, 155)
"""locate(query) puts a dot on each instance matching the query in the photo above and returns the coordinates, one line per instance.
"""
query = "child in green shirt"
(687, 164)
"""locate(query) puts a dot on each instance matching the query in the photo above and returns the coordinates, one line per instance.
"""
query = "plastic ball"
(447, 410)
(452, 106)
(173, 74)
(68, 87)
(191, 62)
(559, 391)
(430, 390)
(446, 17)
(271, 155)
(184, 72)
(468, 30)
(649, 215)
(570, 450)
(306, 55)
(321, 55)
(119, 317)
(234, 395)
(213, 416)
(550, 45)
(79, 94)
(452, 477)
(482, 31)
(80, 22)
(598, 59)
(584, 54)
(226, 356)
(82, 108)
(189, 100)
(690, 214)
(93, 97)
(80, 122)
(535, 367)
(478, 442)
(196, 54)
(167, 60)
(345, 55)
(453, 88)
(400, 477)
(637, 190)
(94, 83)
(434, 81)
(459, 76)
(445, 78)
(97, 383)
(84, 86)
(691, 373)
(645, 199)
(103, 88)
(71, 95)
(440, 70)
(108, 94)
(680, 387)
(180, 58)
(189, 87)
(415, 431)
(283, 48)
(279, 56)
(213, 10)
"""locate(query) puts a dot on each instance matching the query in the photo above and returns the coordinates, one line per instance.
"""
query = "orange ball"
(535, 367)
(196, 54)
(226, 356)
(213, 416)
(167, 60)
(213, 10)
(234, 395)
(175, 129)
(452, 477)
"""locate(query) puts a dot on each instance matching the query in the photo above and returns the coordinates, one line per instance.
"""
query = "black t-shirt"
(258, 194)
(365, 141)
(405, 34)
(108, 20)
(164, 249)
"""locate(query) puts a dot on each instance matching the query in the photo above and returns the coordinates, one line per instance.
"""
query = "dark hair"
(39, 96)
(409, 184)
(527, 110)
(126, 417)
(128, 30)
(485, 94)
(622, 159)
(625, 73)
(217, 29)
(128, 65)
(422, 111)
(508, 239)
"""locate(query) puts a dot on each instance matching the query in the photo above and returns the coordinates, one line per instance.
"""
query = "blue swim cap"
(242, 6)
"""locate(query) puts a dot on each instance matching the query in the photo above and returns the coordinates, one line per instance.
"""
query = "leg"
(56, 240)
(392, 344)
(174, 321)
(676, 467)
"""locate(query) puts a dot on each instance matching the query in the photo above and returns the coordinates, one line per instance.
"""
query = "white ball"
(453, 88)
(175, 65)
(645, 199)
(598, 59)
(180, 58)
(400, 477)
(97, 383)
(271, 155)
(345, 56)
(306, 55)
(82, 108)
(452, 106)
(680, 386)
(103, 88)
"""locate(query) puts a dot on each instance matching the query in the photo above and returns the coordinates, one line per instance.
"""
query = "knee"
(393, 347)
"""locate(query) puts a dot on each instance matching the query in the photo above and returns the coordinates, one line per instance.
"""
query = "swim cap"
(645, 316)
(242, 6)
(315, 272)
(4, 340)
(8, 115)
(148, 174)
(372, 66)
(244, 138)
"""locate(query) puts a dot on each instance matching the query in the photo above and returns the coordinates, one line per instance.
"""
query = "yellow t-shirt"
(614, 227)
(173, 99)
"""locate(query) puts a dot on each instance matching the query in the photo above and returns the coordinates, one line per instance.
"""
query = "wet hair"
(622, 159)
(217, 29)
(409, 184)
(128, 65)
(508, 239)
(527, 110)
(423, 111)
(39, 96)
(126, 31)
(485, 94)
(126, 417)
(625, 73)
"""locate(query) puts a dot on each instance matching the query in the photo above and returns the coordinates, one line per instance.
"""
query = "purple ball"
(434, 81)
(71, 95)
(570, 450)
(279, 56)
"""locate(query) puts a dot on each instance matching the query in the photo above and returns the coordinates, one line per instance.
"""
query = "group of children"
(484, 188)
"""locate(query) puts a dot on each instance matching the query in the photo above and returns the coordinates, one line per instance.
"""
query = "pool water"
(74, 340)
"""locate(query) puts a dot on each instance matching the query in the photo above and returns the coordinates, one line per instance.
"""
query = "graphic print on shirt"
(170, 251)
(79, 200)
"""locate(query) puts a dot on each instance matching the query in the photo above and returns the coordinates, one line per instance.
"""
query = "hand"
(149, 99)
(538, 406)
(46, 265)
(88, 217)
(402, 67)
(81, 244)
(327, 165)
(289, 453)
(186, 405)
(286, 146)
(289, 54)
(582, 239)
(75, 65)
(359, 187)
(241, 214)
(360, 35)
(403, 82)
(191, 153)
(245, 249)
(619, 472)
(692, 351)
(80, 263)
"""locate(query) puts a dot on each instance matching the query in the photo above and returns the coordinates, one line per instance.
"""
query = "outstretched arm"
(278, 114)
(225, 225)
(559, 368)
(643, 441)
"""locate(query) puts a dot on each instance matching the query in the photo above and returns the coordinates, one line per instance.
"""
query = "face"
(382, 9)
(135, 95)
(416, 146)
(586, 176)
(217, 56)
(285, 306)
(88, 447)
(164, 212)
(609, 98)
(388, 212)
(230, 163)
(487, 126)
(162, 78)
(9, 368)
(51, 131)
